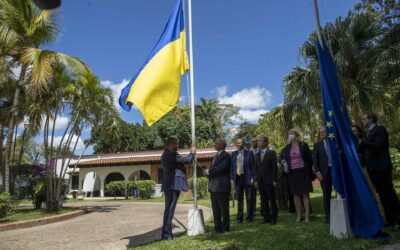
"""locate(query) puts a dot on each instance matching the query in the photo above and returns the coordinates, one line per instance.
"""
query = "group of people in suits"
(255, 169)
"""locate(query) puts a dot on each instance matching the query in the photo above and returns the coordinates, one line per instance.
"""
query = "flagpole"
(319, 31)
(195, 217)
(192, 114)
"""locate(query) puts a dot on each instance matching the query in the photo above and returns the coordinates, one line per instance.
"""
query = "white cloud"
(251, 116)
(61, 122)
(182, 99)
(252, 102)
(249, 98)
(116, 89)
(222, 91)
(57, 140)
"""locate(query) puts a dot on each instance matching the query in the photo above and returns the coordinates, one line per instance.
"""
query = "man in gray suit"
(219, 185)
(323, 170)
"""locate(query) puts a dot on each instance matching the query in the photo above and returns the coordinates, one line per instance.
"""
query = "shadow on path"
(152, 236)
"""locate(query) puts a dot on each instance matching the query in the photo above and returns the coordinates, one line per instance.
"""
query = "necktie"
(262, 155)
(239, 164)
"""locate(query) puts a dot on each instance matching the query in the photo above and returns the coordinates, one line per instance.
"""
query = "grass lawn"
(287, 234)
(29, 214)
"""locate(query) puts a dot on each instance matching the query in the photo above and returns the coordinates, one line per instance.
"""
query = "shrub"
(120, 187)
(145, 188)
(395, 155)
(202, 187)
(39, 193)
(5, 204)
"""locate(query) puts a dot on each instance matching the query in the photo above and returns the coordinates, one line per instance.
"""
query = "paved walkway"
(109, 225)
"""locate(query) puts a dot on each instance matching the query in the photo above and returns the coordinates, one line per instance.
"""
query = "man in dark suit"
(323, 170)
(173, 169)
(379, 165)
(266, 176)
(253, 189)
(219, 185)
(242, 177)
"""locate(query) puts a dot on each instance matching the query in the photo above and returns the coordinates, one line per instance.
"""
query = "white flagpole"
(195, 216)
(319, 31)
(192, 114)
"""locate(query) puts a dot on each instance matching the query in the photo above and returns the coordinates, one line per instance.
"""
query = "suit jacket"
(248, 165)
(305, 152)
(172, 161)
(266, 168)
(376, 149)
(320, 159)
(220, 174)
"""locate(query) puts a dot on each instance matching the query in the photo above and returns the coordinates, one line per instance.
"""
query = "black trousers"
(326, 185)
(290, 195)
(171, 198)
(253, 200)
(268, 199)
(382, 180)
(220, 207)
(242, 189)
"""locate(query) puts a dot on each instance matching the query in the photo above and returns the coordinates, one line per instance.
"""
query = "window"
(75, 181)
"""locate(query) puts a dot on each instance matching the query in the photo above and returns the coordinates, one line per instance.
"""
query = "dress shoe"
(273, 222)
(239, 221)
(266, 221)
(249, 219)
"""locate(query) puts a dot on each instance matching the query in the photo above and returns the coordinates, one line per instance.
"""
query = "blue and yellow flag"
(348, 176)
(155, 89)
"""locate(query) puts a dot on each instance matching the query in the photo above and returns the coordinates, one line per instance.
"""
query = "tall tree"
(23, 29)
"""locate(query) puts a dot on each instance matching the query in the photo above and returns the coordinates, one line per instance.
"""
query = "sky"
(242, 48)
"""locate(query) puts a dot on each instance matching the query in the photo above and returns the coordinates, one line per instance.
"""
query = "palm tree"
(353, 44)
(23, 30)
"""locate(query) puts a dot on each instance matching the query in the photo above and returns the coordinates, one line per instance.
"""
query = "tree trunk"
(10, 131)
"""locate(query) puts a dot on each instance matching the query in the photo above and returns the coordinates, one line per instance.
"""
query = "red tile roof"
(142, 157)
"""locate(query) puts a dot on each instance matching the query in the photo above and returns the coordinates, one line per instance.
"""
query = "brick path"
(109, 225)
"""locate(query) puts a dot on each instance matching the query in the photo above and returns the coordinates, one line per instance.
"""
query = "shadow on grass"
(150, 237)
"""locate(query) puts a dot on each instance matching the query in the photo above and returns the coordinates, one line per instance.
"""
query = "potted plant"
(80, 194)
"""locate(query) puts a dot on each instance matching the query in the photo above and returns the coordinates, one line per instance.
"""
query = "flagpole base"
(195, 222)
(339, 222)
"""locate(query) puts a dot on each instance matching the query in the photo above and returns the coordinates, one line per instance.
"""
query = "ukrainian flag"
(155, 89)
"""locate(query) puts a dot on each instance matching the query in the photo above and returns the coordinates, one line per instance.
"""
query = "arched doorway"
(139, 175)
(116, 176)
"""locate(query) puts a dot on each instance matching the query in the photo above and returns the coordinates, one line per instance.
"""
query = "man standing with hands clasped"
(219, 185)
(266, 176)
(323, 170)
(242, 177)
(174, 181)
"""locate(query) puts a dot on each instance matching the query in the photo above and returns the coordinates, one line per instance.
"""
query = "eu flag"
(348, 177)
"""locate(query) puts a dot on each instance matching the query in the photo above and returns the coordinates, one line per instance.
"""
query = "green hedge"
(5, 204)
(202, 187)
(145, 188)
(117, 187)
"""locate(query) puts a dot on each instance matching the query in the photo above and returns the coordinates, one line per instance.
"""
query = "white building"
(93, 172)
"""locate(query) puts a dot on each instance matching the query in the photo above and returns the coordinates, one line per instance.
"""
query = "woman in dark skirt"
(298, 157)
